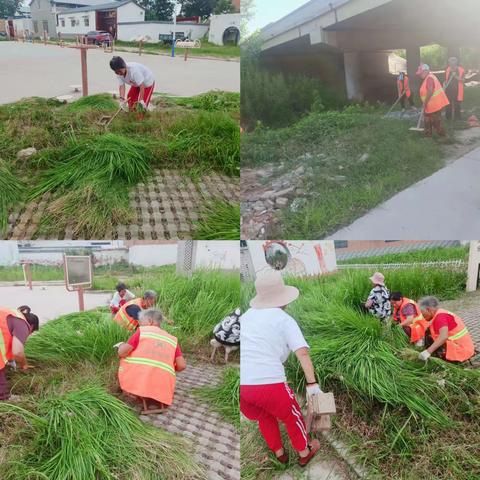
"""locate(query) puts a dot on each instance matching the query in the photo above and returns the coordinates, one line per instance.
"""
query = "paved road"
(444, 206)
(28, 70)
(49, 302)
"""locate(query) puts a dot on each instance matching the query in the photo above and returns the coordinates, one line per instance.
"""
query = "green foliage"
(12, 191)
(219, 220)
(88, 433)
(212, 101)
(435, 254)
(8, 8)
(102, 102)
(225, 397)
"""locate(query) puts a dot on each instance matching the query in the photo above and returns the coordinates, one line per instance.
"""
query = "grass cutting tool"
(394, 105)
(418, 128)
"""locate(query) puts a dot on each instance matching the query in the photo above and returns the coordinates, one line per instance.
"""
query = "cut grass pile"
(401, 418)
(225, 397)
(211, 101)
(78, 164)
(12, 190)
(86, 434)
(219, 220)
(358, 161)
(435, 254)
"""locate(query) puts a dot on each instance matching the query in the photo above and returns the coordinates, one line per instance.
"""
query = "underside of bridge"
(348, 46)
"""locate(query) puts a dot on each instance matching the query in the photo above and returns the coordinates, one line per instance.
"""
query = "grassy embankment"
(354, 158)
(399, 417)
(87, 174)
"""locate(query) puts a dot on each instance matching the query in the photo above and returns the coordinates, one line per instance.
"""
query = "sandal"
(283, 458)
(314, 447)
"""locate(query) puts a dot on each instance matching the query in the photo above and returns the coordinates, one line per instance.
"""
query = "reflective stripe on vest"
(159, 337)
(458, 335)
(124, 319)
(461, 72)
(5, 336)
(438, 99)
(150, 362)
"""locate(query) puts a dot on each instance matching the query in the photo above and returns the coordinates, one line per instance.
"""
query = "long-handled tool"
(418, 128)
(394, 105)
(106, 120)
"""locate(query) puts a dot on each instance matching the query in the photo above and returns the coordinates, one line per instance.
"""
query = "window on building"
(86, 21)
(35, 26)
(341, 244)
(72, 21)
(45, 26)
(62, 21)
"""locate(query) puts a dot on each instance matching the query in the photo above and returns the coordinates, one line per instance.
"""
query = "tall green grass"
(225, 397)
(12, 190)
(212, 101)
(220, 220)
(102, 102)
(89, 434)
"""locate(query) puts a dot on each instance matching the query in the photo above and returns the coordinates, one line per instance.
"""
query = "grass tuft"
(219, 220)
(102, 102)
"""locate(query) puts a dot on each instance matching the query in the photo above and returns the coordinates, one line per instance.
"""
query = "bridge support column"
(353, 76)
(413, 61)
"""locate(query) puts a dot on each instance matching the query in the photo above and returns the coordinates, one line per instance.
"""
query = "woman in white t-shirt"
(120, 297)
(268, 336)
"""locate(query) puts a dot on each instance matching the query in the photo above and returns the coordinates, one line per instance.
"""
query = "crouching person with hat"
(149, 361)
(268, 336)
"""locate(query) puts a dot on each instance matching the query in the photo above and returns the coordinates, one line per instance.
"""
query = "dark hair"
(24, 309)
(116, 63)
(32, 320)
(120, 286)
(396, 296)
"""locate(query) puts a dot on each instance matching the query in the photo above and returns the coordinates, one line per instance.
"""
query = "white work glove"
(117, 345)
(142, 105)
(425, 355)
(313, 390)
(124, 105)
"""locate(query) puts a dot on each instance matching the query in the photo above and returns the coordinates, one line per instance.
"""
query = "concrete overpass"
(349, 40)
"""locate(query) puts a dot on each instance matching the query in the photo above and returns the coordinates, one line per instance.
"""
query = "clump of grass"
(87, 336)
(209, 140)
(212, 101)
(12, 190)
(219, 220)
(87, 434)
(225, 397)
(101, 102)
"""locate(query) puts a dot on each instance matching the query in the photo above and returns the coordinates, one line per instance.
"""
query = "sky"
(267, 11)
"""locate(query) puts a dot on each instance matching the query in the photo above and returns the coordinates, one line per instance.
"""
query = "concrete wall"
(221, 254)
(128, 31)
(79, 18)
(9, 253)
(220, 23)
(41, 11)
(130, 13)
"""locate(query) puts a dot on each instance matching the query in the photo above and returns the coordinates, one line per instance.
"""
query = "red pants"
(132, 96)
(269, 403)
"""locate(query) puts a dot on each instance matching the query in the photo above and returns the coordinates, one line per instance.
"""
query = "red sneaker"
(314, 447)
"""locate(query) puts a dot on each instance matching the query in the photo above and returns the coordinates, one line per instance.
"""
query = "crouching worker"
(227, 334)
(127, 315)
(14, 331)
(409, 316)
(141, 81)
(447, 336)
(120, 297)
(149, 361)
(268, 336)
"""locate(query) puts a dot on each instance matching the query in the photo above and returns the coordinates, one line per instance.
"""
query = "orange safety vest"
(5, 335)
(419, 325)
(404, 86)
(124, 319)
(461, 90)
(459, 345)
(439, 98)
(149, 370)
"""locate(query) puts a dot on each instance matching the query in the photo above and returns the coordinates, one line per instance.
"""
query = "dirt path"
(216, 442)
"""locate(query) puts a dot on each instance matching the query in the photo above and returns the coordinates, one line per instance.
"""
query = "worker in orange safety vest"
(127, 315)
(407, 313)
(434, 100)
(15, 328)
(150, 360)
(404, 91)
(447, 337)
(454, 88)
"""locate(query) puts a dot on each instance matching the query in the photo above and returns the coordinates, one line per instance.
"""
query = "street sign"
(78, 275)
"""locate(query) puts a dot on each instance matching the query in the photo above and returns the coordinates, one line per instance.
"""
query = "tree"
(202, 8)
(223, 6)
(156, 9)
(248, 12)
(8, 7)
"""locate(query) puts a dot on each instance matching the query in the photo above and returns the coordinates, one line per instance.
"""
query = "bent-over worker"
(141, 81)
(434, 101)
(14, 331)
(378, 301)
(121, 296)
(150, 360)
(408, 315)
(447, 337)
(268, 336)
(454, 88)
(128, 314)
(404, 91)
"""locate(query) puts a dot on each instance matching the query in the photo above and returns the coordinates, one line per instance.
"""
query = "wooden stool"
(147, 411)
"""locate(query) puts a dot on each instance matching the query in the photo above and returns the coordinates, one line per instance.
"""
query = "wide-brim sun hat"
(378, 279)
(272, 291)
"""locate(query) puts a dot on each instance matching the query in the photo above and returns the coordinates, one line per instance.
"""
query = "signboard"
(473, 266)
(78, 271)
(188, 44)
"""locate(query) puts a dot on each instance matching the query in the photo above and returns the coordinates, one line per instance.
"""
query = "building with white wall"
(225, 29)
(130, 30)
(105, 17)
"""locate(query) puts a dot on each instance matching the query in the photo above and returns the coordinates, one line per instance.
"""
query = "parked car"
(97, 37)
